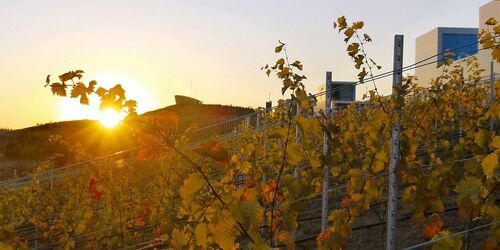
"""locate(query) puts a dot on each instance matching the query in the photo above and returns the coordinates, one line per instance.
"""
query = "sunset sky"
(212, 50)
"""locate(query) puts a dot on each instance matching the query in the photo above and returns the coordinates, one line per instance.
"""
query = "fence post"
(298, 138)
(326, 146)
(492, 92)
(257, 120)
(247, 122)
(52, 178)
(263, 226)
(394, 161)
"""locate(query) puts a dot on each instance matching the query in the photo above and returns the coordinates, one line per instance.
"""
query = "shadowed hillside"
(22, 149)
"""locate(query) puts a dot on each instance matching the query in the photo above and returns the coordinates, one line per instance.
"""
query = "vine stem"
(74, 227)
(211, 187)
(371, 71)
(278, 179)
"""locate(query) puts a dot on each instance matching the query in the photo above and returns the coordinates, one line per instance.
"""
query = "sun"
(110, 118)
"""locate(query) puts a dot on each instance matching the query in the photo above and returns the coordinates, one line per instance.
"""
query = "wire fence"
(227, 129)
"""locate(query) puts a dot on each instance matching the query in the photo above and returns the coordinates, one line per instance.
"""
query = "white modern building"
(461, 41)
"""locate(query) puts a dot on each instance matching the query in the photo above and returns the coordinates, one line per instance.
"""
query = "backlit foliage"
(172, 194)
(113, 98)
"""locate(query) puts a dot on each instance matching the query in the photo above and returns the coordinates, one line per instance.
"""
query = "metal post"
(461, 108)
(492, 92)
(52, 178)
(257, 121)
(393, 182)
(326, 145)
(298, 138)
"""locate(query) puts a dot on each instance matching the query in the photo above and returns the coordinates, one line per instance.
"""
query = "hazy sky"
(212, 49)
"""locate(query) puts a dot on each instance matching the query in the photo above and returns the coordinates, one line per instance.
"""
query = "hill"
(21, 149)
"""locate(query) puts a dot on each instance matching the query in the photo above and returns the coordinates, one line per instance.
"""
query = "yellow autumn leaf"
(315, 162)
(245, 167)
(223, 233)
(356, 197)
(495, 53)
(278, 48)
(294, 156)
(408, 194)
(481, 137)
(491, 21)
(496, 142)
(80, 227)
(357, 25)
(179, 239)
(200, 234)
(6, 247)
(489, 164)
(452, 243)
(190, 188)
(493, 211)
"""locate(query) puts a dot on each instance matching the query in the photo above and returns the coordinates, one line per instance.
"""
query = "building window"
(344, 92)
(462, 45)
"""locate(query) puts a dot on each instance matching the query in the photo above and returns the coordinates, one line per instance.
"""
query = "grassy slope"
(22, 149)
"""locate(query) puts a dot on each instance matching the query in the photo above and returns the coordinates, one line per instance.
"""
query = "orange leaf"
(149, 147)
(58, 89)
(139, 222)
(433, 226)
(214, 150)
